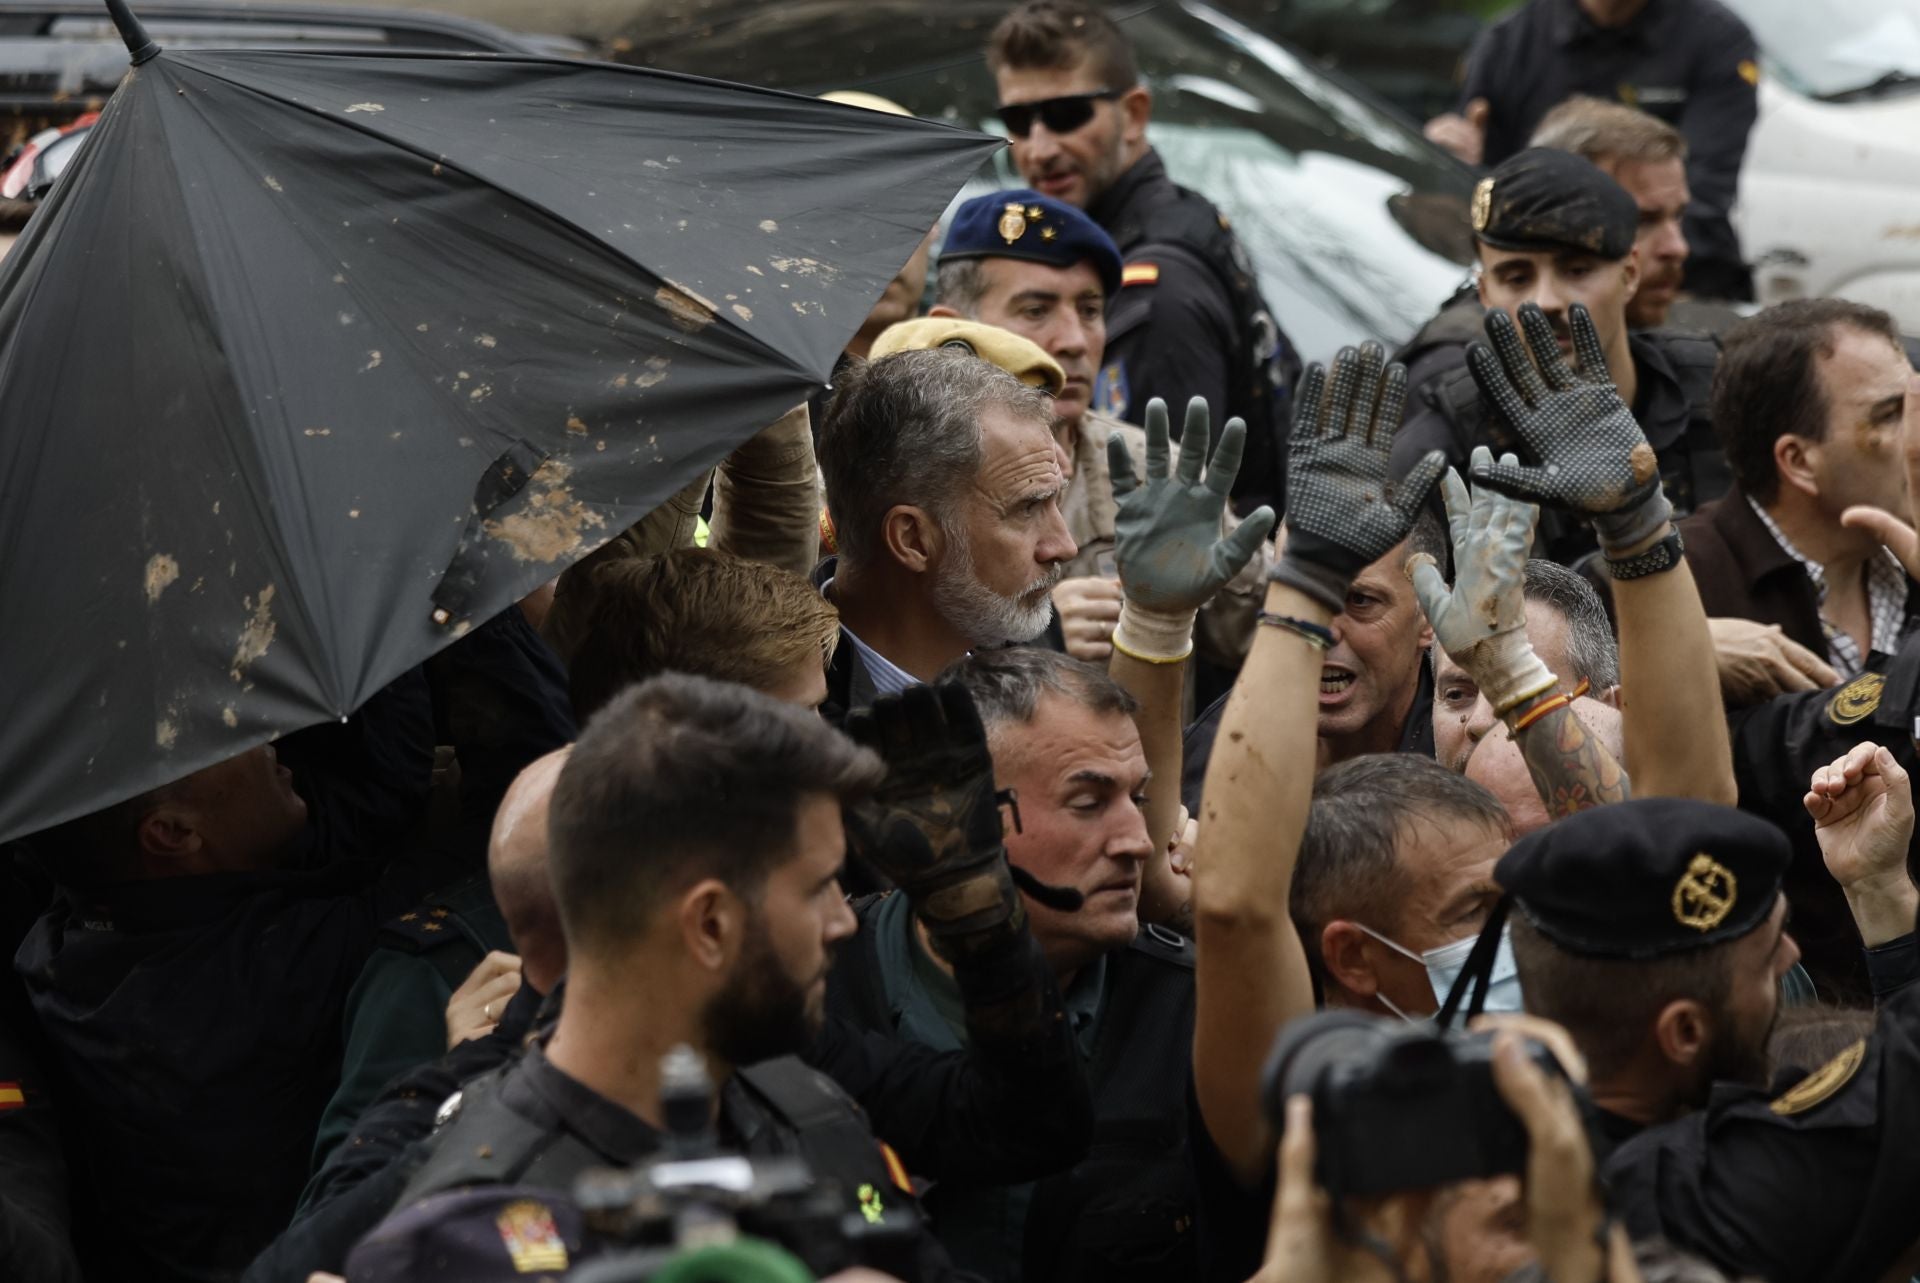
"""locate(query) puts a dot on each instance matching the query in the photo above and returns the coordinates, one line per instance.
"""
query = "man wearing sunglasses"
(1188, 319)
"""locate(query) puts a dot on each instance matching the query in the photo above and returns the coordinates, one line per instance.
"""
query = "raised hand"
(1862, 809)
(933, 827)
(1481, 621)
(1167, 531)
(1593, 457)
(1342, 512)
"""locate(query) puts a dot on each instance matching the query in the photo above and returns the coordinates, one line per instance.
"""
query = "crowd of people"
(1088, 798)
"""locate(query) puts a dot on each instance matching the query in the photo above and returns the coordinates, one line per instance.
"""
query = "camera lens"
(1308, 1047)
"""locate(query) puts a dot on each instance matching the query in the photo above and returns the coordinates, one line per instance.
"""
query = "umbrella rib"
(544, 211)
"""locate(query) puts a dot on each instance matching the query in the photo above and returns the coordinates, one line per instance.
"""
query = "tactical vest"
(1125, 1212)
(454, 928)
(1264, 368)
(1693, 465)
(781, 1107)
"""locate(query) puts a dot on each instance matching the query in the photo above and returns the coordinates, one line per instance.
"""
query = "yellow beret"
(1022, 358)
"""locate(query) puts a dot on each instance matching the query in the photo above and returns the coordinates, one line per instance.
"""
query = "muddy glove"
(1594, 459)
(1482, 620)
(933, 826)
(1167, 532)
(1342, 512)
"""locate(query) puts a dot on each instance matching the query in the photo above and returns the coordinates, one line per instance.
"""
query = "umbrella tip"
(138, 43)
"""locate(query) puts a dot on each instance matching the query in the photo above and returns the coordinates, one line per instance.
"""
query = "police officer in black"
(1655, 931)
(1691, 63)
(1125, 1211)
(1188, 319)
(1553, 230)
(695, 846)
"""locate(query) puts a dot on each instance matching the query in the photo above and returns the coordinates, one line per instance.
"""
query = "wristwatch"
(1663, 556)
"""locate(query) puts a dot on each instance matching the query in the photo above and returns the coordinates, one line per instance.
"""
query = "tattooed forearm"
(1571, 769)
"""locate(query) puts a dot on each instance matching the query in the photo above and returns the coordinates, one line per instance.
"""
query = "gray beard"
(980, 614)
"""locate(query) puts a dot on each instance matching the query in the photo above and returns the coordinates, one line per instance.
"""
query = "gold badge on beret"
(1822, 1082)
(1013, 222)
(1704, 895)
(1483, 204)
(1856, 700)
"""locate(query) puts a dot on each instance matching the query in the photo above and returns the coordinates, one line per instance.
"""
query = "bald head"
(1497, 764)
(517, 869)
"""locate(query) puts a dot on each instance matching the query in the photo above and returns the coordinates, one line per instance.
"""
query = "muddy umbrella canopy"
(311, 361)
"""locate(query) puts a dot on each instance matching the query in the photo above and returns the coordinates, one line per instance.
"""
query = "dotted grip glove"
(1594, 459)
(933, 826)
(1342, 512)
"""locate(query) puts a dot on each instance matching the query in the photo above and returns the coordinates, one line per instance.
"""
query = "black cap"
(1546, 199)
(1648, 878)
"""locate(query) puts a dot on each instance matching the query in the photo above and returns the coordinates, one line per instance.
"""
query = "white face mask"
(1445, 964)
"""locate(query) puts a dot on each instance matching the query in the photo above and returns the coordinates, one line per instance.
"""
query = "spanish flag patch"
(11, 1097)
(1139, 274)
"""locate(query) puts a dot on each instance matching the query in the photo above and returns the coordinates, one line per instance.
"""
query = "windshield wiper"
(1873, 89)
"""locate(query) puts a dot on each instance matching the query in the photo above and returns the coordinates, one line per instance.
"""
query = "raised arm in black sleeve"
(1013, 1107)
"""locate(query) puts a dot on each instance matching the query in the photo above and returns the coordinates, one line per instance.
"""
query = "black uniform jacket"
(1776, 748)
(1812, 1181)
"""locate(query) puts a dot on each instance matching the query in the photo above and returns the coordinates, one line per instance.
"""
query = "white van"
(1830, 194)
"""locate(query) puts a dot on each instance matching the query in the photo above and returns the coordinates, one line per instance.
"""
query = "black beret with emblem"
(1647, 878)
(1025, 224)
(1543, 199)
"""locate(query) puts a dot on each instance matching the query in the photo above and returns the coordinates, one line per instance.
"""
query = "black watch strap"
(1662, 557)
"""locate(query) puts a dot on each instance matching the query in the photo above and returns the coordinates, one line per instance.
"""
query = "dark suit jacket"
(1744, 573)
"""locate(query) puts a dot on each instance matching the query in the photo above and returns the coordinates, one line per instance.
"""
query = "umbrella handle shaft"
(139, 44)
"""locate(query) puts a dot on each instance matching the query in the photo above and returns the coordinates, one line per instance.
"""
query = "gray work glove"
(1594, 459)
(1167, 531)
(1482, 620)
(1343, 514)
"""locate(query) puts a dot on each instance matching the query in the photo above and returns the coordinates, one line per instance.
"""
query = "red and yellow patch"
(1139, 274)
(531, 1238)
(12, 1097)
(896, 1168)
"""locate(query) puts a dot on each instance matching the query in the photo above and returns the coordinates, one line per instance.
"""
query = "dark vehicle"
(60, 59)
(1356, 224)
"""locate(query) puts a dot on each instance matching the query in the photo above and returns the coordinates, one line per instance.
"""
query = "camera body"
(1397, 1106)
(696, 1195)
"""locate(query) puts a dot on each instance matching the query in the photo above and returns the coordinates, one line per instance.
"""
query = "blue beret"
(1025, 224)
(1647, 878)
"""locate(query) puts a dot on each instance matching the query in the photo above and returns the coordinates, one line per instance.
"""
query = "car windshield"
(1829, 47)
(1356, 225)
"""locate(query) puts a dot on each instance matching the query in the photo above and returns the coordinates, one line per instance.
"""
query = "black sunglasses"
(1060, 115)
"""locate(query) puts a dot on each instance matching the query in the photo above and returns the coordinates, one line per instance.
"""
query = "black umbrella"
(312, 360)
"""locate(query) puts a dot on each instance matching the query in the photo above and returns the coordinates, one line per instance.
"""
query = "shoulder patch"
(421, 927)
(1139, 274)
(1822, 1083)
(530, 1237)
(1856, 700)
